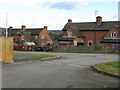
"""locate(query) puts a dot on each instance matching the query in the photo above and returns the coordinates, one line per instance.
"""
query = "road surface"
(71, 71)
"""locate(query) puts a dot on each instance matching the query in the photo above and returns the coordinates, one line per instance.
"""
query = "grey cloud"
(64, 5)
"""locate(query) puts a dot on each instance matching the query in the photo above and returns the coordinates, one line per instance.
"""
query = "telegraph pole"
(95, 28)
(6, 24)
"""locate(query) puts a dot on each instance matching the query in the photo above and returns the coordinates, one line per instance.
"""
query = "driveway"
(71, 71)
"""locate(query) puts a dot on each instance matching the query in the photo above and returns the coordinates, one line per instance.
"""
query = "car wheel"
(51, 49)
(44, 49)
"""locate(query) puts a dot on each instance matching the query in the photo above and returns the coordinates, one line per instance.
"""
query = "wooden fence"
(6, 49)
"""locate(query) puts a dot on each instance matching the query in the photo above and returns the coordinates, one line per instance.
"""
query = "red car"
(47, 46)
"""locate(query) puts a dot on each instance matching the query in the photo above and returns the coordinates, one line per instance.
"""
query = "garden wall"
(86, 49)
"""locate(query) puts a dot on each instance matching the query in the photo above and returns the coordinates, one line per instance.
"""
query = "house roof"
(28, 36)
(32, 30)
(64, 42)
(66, 39)
(55, 35)
(78, 33)
(80, 26)
(110, 41)
(117, 26)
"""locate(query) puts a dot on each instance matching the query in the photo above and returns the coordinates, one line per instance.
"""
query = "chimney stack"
(45, 27)
(23, 27)
(9, 31)
(69, 21)
(98, 20)
(10, 27)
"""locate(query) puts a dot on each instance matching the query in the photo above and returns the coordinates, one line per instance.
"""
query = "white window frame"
(42, 36)
(90, 41)
(22, 37)
(113, 34)
(69, 34)
(36, 36)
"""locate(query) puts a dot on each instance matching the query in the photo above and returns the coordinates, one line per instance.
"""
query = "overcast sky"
(55, 13)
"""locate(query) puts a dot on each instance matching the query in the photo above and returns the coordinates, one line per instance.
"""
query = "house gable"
(22, 37)
(112, 33)
(44, 36)
(112, 37)
(26, 37)
(69, 33)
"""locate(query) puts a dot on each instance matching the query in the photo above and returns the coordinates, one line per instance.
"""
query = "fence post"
(6, 49)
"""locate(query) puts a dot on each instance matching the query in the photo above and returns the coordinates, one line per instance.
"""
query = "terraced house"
(33, 36)
(91, 33)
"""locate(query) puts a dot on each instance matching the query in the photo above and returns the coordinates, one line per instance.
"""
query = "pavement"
(73, 70)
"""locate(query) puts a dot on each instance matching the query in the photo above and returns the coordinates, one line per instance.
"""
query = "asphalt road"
(71, 71)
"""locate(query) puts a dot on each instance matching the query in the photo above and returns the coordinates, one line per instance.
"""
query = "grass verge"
(40, 57)
(17, 55)
(113, 67)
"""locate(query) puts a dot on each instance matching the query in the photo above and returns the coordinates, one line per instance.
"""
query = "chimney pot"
(45, 27)
(23, 27)
(98, 20)
(69, 21)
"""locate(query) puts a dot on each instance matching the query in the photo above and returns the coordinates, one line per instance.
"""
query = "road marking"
(73, 65)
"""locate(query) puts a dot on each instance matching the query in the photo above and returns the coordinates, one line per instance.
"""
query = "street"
(71, 71)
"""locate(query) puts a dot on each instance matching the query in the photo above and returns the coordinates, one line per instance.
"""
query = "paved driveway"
(71, 71)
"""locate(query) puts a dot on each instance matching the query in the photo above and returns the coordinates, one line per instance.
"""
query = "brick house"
(2, 32)
(23, 34)
(90, 33)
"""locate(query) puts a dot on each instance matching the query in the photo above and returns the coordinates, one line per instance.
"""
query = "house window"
(90, 43)
(22, 37)
(42, 37)
(36, 36)
(113, 34)
(69, 34)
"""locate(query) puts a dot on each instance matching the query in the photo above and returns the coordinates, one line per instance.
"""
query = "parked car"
(26, 46)
(47, 46)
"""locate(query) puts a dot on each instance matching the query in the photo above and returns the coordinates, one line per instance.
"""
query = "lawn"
(17, 55)
(113, 67)
(40, 56)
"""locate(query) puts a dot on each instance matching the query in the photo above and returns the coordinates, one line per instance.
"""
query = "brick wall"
(95, 36)
(79, 39)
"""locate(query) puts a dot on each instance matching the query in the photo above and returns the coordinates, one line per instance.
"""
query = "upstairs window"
(22, 37)
(36, 36)
(42, 37)
(90, 43)
(69, 34)
(113, 34)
